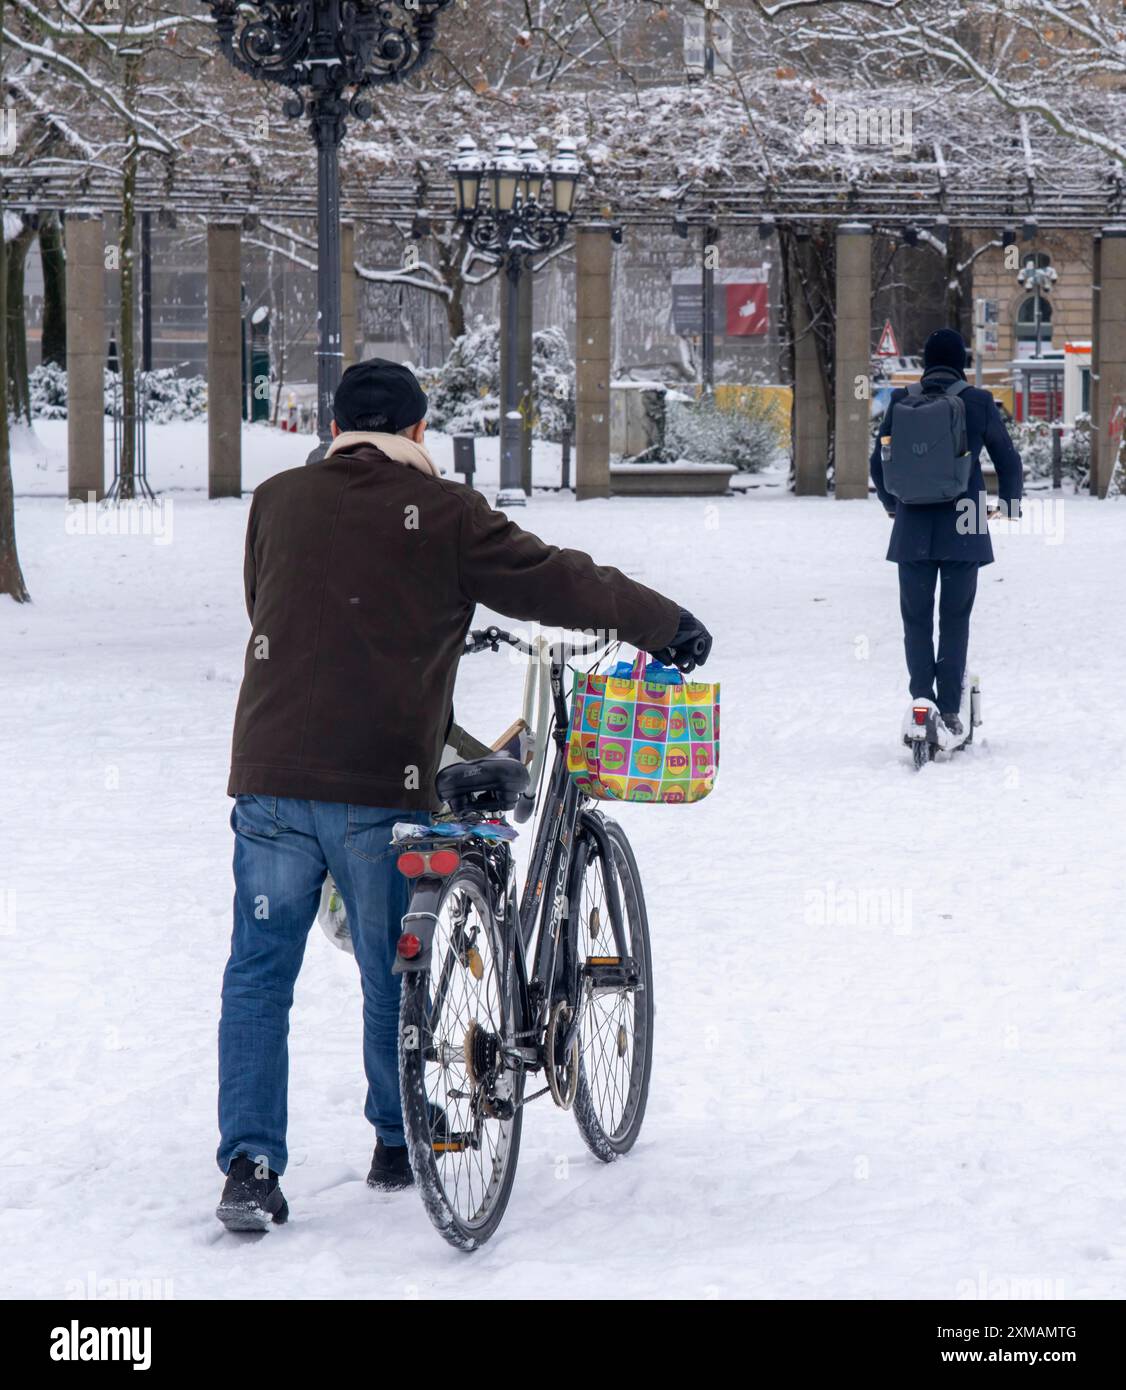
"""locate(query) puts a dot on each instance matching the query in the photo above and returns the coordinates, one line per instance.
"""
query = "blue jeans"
(283, 848)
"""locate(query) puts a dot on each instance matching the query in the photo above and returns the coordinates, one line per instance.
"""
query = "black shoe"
(390, 1168)
(954, 724)
(250, 1202)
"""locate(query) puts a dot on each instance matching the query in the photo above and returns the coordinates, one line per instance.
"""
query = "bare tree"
(1052, 59)
(11, 575)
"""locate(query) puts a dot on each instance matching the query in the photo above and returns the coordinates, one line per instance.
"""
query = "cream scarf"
(396, 446)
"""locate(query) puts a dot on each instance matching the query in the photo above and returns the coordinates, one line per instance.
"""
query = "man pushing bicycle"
(361, 573)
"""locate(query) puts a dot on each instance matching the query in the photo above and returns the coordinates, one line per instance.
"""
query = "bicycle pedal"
(612, 972)
(451, 1146)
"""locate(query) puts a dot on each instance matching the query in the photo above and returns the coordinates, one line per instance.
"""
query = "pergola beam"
(920, 196)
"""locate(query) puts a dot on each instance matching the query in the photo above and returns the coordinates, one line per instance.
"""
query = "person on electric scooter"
(362, 572)
(947, 541)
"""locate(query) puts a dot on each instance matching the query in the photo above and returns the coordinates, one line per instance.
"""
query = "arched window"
(1026, 319)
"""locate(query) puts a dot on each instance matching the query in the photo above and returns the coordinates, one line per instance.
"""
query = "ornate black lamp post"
(515, 223)
(330, 53)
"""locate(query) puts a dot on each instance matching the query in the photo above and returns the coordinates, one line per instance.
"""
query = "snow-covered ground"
(890, 1054)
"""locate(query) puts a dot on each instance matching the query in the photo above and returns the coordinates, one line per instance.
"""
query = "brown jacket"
(361, 579)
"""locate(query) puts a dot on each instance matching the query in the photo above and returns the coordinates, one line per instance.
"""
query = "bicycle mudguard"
(422, 921)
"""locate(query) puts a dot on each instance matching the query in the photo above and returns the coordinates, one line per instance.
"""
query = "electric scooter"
(927, 736)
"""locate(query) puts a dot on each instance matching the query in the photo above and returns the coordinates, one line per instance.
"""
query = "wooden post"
(592, 361)
(224, 359)
(86, 355)
(853, 357)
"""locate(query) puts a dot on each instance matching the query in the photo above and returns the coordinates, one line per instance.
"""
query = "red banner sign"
(747, 310)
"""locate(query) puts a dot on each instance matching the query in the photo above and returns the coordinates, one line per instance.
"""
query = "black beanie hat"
(945, 348)
(379, 388)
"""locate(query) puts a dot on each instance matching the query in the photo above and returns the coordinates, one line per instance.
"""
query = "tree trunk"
(450, 252)
(11, 576)
(19, 389)
(959, 287)
(53, 256)
(126, 337)
(815, 279)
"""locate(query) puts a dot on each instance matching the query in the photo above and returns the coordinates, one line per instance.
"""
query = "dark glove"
(690, 647)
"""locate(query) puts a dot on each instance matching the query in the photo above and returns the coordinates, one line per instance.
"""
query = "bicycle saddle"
(482, 784)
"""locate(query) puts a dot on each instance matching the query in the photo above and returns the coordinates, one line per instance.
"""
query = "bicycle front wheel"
(461, 1107)
(616, 1056)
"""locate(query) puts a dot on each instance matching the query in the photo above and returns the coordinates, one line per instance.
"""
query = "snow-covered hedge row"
(744, 436)
(1033, 439)
(465, 391)
(169, 397)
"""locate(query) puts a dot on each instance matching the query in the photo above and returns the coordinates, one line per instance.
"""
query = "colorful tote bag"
(643, 734)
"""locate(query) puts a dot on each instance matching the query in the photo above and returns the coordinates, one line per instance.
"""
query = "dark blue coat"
(933, 532)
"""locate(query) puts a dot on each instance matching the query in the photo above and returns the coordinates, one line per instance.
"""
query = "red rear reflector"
(920, 714)
(444, 861)
(409, 945)
(412, 864)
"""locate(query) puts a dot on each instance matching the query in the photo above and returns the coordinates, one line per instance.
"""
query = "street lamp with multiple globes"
(501, 202)
(330, 53)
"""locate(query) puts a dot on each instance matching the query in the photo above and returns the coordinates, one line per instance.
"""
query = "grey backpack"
(930, 453)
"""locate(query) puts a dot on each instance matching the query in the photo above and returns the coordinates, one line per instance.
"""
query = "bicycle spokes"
(468, 1090)
(610, 1004)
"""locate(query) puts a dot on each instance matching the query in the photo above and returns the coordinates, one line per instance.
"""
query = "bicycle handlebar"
(489, 639)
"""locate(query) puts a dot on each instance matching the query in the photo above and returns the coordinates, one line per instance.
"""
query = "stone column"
(1111, 343)
(810, 419)
(592, 361)
(86, 354)
(224, 359)
(348, 323)
(853, 357)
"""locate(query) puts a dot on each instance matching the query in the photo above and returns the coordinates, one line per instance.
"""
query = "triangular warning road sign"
(888, 347)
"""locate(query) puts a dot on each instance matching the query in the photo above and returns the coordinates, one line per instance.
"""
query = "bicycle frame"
(545, 896)
(547, 887)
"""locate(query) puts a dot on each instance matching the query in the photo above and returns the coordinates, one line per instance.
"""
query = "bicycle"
(484, 1006)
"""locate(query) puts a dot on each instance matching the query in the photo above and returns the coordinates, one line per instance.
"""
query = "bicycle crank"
(562, 1061)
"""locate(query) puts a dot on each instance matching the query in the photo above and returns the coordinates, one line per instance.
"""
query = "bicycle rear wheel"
(461, 1108)
(616, 1056)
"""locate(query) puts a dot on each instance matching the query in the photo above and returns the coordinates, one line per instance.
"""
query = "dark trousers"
(917, 582)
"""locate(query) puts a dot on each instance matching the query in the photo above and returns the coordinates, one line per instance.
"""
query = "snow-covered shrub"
(172, 397)
(744, 436)
(1033, 439)
(169, 397)
(48, 392)
(465, 391)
